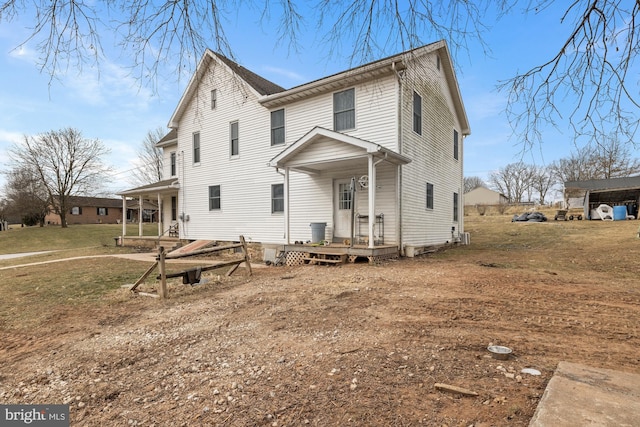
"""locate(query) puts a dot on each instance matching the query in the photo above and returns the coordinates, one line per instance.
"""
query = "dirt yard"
(351, 345)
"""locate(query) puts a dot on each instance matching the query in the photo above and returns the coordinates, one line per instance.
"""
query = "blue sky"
(112, 106)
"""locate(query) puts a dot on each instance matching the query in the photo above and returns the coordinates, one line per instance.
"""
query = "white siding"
(432, 155)
(245, 180)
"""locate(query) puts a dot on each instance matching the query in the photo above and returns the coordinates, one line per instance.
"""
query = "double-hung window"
(214, 197)
(277, 127)
(102, 211)
(417, 113)
(455, 206)
(429, 195)
(234, 148)
(455, 144)
(277, 198)
(173, 163)
(214, 99)
(344, 110)
(196, 147)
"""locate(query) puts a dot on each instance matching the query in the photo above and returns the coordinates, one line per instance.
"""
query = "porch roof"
(360, 149)
(164, 186)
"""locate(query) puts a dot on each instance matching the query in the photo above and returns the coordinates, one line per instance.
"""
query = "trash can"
(619, 213)
(317, 231)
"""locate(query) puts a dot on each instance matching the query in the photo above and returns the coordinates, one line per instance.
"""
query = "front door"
(342, 208)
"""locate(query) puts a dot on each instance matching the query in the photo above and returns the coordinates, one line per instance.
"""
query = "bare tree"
(613, 159)
(27, 197)
(513, 181)
(66, 164)
(473, 182)
(150, 162)
(592, 64)
(542, 180)
(609, 159)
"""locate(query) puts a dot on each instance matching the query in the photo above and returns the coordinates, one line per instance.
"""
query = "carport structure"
(612, 192)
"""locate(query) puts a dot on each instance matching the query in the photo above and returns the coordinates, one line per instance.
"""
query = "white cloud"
(485, 105)
(24, 53)
(291, 75)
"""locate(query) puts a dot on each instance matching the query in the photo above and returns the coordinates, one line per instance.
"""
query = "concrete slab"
(579, 395)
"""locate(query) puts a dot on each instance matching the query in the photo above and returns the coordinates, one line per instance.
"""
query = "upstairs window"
(417, 113)
(196, 147)
(277, 127)
(214, 99)
(214, 197)
(235, 142)
(277, 198)
(429, 195)
(455, 144)
(344, 110)
(173, 164)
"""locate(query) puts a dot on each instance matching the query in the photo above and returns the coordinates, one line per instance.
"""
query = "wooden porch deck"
(336, 253)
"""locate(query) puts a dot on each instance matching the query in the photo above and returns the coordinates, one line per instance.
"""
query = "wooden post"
(245, 252)
(163, 273)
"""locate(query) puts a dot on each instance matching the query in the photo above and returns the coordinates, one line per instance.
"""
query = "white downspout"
(399, 167)
(159, 215)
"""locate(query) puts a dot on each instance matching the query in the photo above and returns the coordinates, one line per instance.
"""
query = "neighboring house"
(89, 210)
(592, 193)
(248, 157)
(484, 196)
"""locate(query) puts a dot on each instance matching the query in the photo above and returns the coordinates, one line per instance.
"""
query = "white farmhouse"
(368, 161)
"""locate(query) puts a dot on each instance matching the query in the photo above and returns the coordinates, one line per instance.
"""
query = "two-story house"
(372, 156)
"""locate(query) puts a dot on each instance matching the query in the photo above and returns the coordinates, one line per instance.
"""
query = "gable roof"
(318, 134)
(271, 95)
(259, 85)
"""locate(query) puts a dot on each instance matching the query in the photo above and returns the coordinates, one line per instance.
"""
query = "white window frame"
(339, 112)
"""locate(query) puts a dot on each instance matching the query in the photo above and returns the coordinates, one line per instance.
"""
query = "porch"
(151, 199)
(346, 183)
(336, 253)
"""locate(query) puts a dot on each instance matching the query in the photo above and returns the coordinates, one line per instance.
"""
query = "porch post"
(140, 216)
(124, 218)
(159, 216)
(286, 206)
(372, 201)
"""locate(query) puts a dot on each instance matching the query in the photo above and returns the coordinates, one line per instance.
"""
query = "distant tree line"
(521, 182)
(48, 168)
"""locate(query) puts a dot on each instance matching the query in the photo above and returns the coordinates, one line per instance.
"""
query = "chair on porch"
(173, 230)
